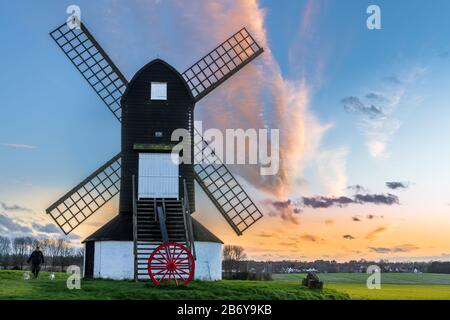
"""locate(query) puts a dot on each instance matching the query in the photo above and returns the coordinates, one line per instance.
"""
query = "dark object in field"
(312, 281)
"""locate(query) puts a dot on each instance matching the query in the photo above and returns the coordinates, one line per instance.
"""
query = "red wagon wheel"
(171, 261)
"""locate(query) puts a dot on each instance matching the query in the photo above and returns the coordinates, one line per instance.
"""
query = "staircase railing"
(161, 211)
(188, 221)
(133, 179)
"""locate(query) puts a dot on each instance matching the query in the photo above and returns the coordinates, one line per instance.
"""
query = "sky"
(362, 117)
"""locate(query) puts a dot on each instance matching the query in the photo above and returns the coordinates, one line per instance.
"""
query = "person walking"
(36, 258)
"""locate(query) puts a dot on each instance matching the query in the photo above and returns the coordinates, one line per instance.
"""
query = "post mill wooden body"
(147, 125)
(155, 102)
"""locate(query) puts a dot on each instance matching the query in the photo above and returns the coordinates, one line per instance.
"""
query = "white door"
(158, 176)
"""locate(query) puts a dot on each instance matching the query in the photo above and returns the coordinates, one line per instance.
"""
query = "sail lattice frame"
(223, 189)
(221, 63)
(87, 197)
(93, 63)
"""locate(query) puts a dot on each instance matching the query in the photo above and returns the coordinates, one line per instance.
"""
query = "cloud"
(327, 202)
(394, 185)
(374, 121)
(286, 210)
(332, 170)
(379, 135)
(267, 235)
(405, 248)
(375, 233)
(357, 188)
(376, 97)
(393, 79)
(377, 111)
(282, 204)
(9, 227)
(329, 222)
(380, 249)
(72, 236)
(48, 228)
(395, 249)
(348, 237)
(372, 216)
(356, 106)
(52, 231)
(309, 237)
(19, 146)
(387, 199)
(13, 207)
(304, 54)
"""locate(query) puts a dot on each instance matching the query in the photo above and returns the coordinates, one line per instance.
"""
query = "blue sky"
(55, 130)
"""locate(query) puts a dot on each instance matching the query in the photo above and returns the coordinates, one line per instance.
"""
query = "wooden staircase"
(148, 233)
(148, 228)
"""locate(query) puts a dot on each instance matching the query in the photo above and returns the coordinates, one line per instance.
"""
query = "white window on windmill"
(158, 91)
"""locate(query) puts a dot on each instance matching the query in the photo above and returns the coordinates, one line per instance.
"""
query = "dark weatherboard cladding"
(151, 122)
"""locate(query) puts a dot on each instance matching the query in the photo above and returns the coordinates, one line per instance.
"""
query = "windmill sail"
(87, 197)
(93, 63)
(221, 63)
(223, 189)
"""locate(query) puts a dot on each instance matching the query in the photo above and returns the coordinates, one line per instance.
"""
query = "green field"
(12, 286)
(394, 286)
(284, 286)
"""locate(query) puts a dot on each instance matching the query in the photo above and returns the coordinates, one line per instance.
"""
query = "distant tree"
(76, 257)
(51, 252)
(439, 267)
(65, 251)
(5, 251)
(21, 250)
(232, 257)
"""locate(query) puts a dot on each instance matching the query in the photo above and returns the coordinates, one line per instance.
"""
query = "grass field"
(285, 286)
(394, 286)
(12, 286)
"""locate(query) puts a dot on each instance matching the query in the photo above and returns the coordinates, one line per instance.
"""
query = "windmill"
(154, 224)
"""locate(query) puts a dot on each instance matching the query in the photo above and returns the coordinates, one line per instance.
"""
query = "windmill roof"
(120, 228)
(149, 65)
(203, 234)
